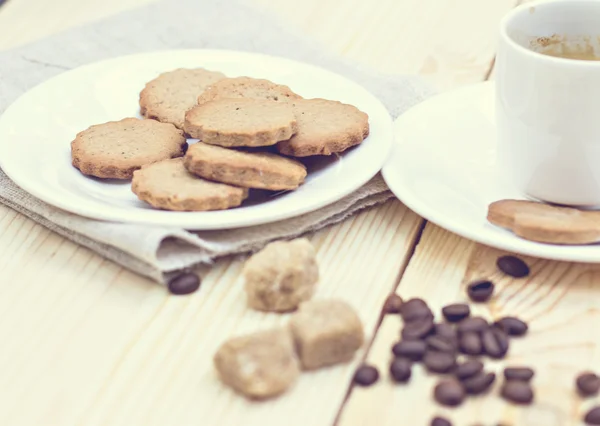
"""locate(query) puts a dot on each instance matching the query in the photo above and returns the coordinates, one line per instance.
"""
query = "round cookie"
(325, 127)
(168, 185)
(241, 122)
(247, 87)
(260, 170)
(171, 94)
(114, 150)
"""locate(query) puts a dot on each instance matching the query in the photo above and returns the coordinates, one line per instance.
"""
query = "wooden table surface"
(84, 342)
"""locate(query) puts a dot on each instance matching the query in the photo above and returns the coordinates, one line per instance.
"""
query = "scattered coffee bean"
(456, 312)
(517, 391)
(472, 324)
(401, 370)
(449, 392)
(479, 383)
(439, 362)
(468, 369)
(411, 349)
(480, 291)
(415, 309)
(518, 373)
(495, 342)
(366, 375)
(445, 330)
(418, 328)
(184, 283)
(392, 304)
(588, 384)
(441, 344)
(592, 417)
(513, 266)
(512, 326)
(470, 344)
(440, 421)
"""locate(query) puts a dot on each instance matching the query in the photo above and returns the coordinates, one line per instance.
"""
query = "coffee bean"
(479, 383)
(512, 326)
(468, 369)
(366, 375)
(392, 304)
(439, 362)
(456, 312)
(400, 370)
(495, 342)
(513, 266)
(470, 344)
(445, 330)
(518, 373)
(440, 421)
(411, 349)
(449, 392)
(592, 417)
(184, 283)
(417, 329)
(517, 391)
(415, 309)
(480, 291)
(588, 384)
(441, 344)
(472, 324)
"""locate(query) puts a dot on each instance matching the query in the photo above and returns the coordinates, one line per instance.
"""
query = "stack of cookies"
(252, 134)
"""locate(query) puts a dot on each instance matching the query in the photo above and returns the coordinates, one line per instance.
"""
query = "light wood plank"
(448, 43)
(558, 300)
(25, 21)
(108, 348)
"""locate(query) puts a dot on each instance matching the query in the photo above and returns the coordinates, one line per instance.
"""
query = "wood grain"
(448, 43)
(95, 345)
(558, 300)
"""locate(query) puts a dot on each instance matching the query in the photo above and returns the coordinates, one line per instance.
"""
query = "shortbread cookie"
(258, 365)
(261, 170)
(247, 87)
(241, 122)
(168, 185)
(325, 127)
(545, 223)
(115, 149)
(171, 94)
(326, 332)
(281, 275)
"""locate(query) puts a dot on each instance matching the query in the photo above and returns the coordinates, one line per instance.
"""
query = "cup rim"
(536, 55)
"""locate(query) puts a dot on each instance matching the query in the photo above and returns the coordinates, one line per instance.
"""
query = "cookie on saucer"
(247, 87)
(325, 127)
(114, 150)
(168, 185)
(261, 170)
(241, 122)
(546, 223)
(167, 97)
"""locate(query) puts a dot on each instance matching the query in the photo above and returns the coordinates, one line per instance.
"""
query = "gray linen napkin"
(160, 252)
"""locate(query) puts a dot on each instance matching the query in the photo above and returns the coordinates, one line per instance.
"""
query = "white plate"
(36, 131)
(443, 167)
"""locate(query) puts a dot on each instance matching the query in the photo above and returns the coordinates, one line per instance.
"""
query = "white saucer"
(443, 167)
(36, 131)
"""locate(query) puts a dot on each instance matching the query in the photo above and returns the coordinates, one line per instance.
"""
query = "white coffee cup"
(547, 107)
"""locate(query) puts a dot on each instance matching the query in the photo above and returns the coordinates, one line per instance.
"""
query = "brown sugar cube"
(326, 332)
(281, 276)
(259, 365)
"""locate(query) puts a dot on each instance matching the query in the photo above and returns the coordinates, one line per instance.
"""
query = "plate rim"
(511, 243)
(197, 225)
